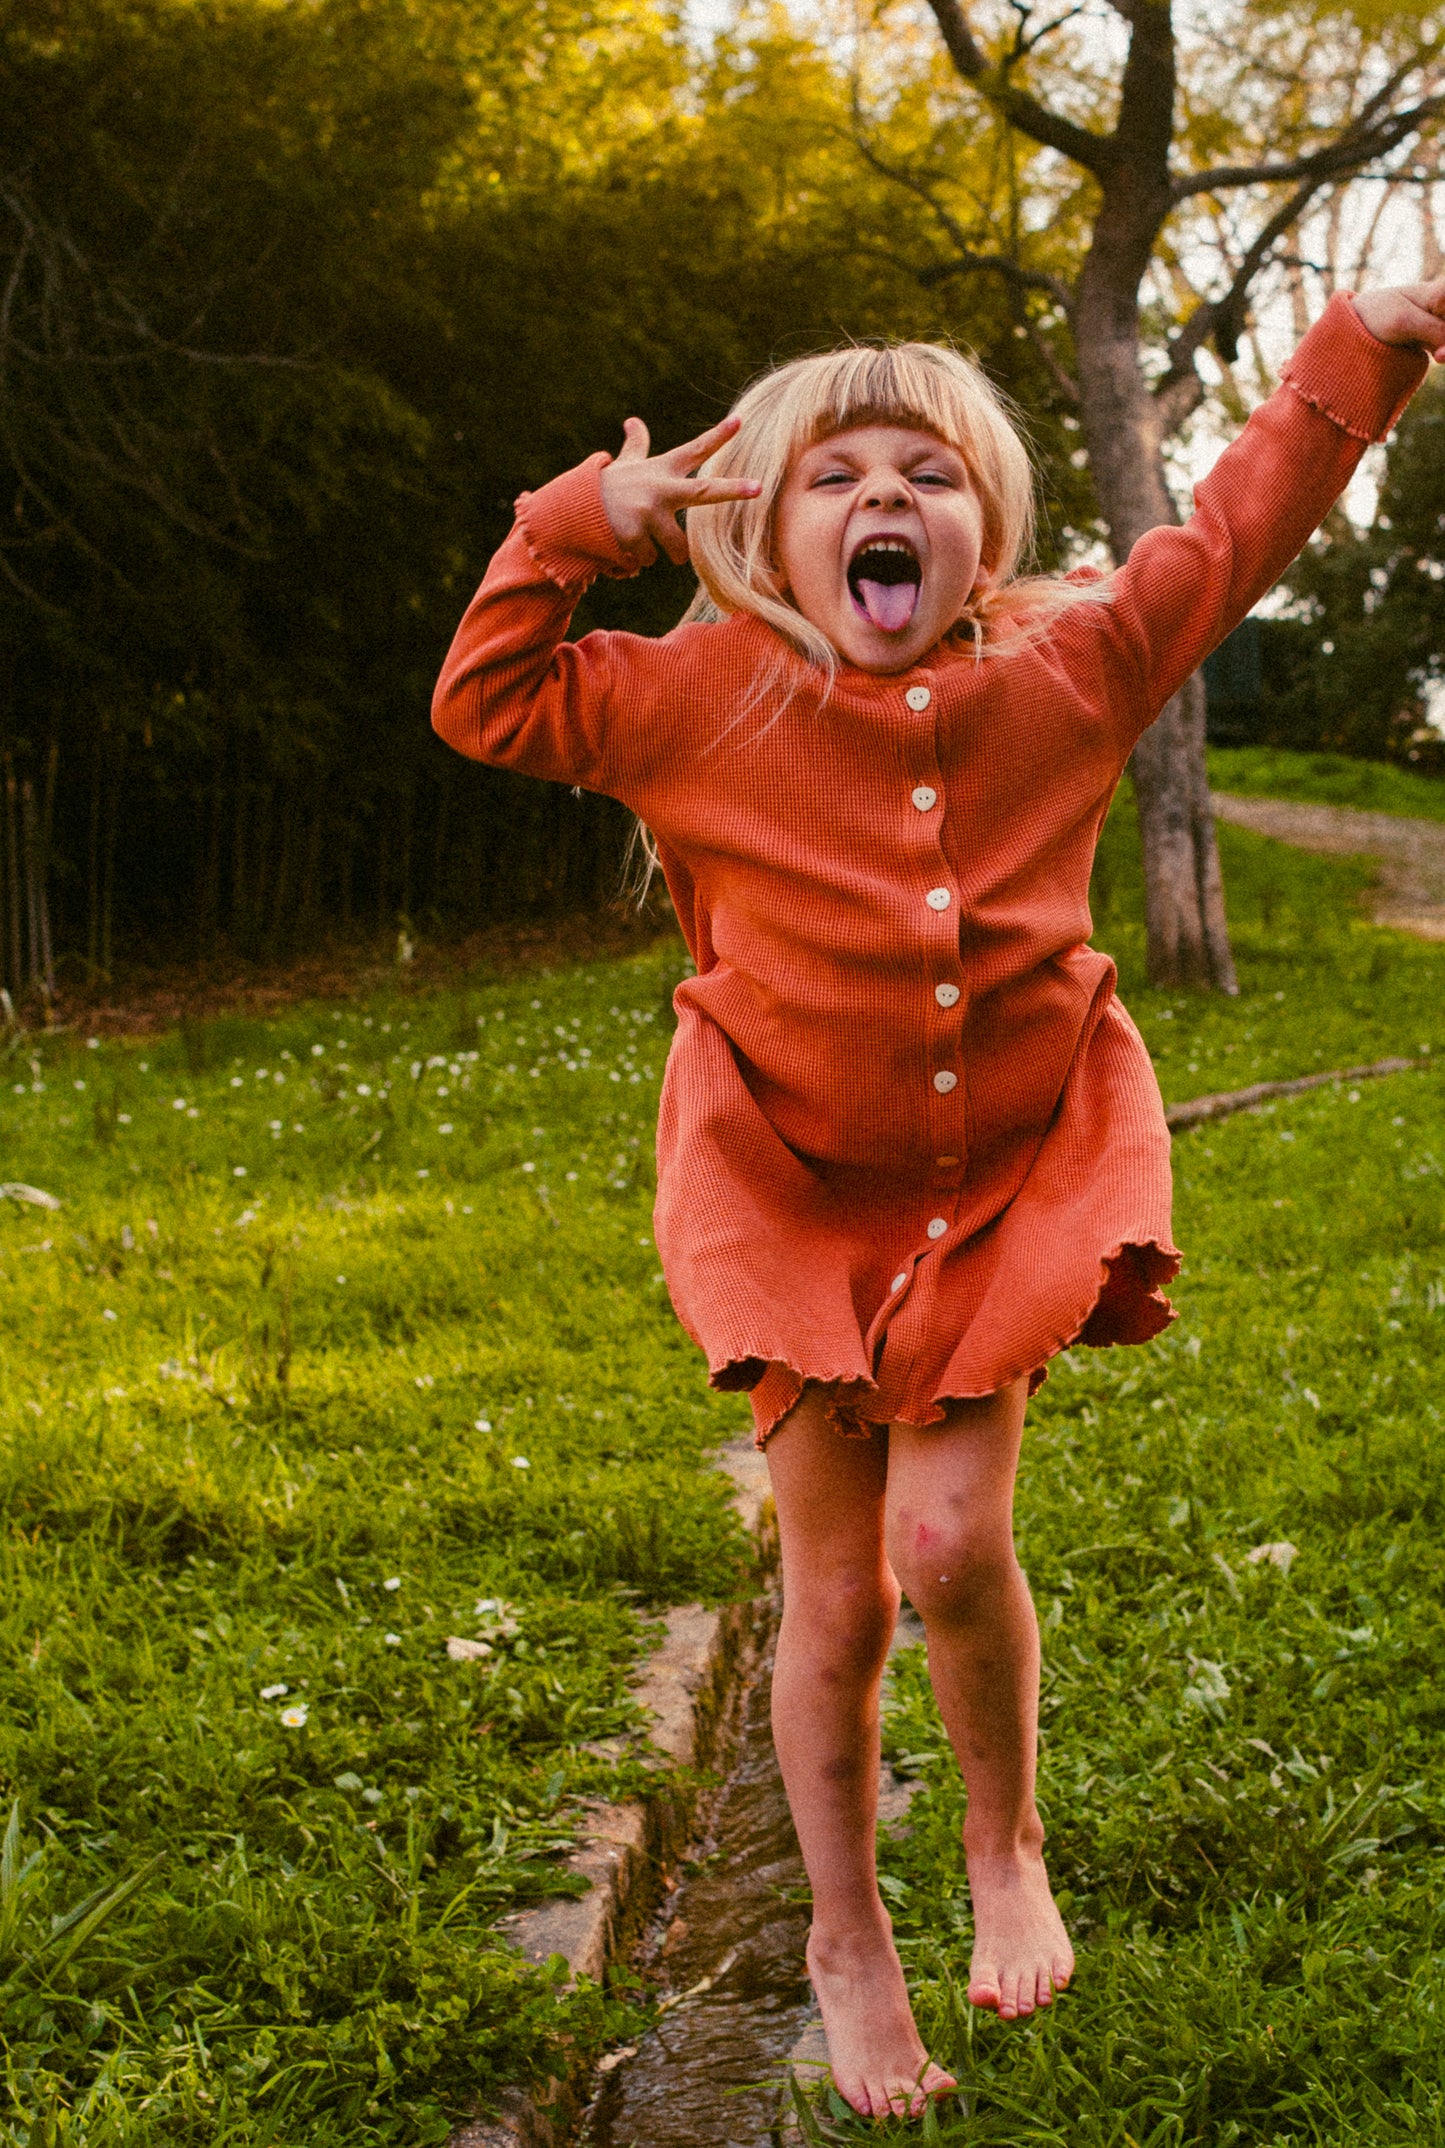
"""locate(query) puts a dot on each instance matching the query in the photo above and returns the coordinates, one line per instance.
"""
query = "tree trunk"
(1187, 937)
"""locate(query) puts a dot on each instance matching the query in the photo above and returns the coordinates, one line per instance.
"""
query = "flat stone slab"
(683, 1688)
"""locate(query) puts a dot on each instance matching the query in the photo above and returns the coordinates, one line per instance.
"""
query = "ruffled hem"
(1127, 1306)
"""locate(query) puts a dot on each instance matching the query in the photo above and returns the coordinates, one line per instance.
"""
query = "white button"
(938, 898)
(938, 1226)
(899, 1281)
(918, 697)
(944, 1082)
(925, 799)
(946, 995)
(946, 1163)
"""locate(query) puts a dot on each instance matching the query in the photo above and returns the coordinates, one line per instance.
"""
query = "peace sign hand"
(644, 493)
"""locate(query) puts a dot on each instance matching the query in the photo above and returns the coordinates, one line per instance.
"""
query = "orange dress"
(910, 1143)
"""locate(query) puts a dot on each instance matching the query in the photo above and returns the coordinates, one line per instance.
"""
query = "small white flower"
(1281, 1555)
(341, 1279)
(363, 1088)
(445, 1129)
(529, 1167)
(191, 1112)
(295, 1718)
(274, 1692)
(392, 1640)
(123, 1118)
(238, 1171)
(92, 1044)
(236, 1082)
(462, 1651)
(519, 1461)
(393, 1583)
(79, 1085)
(275, 1126)
(484, 1424)
(109, 1315)
(178, 1103)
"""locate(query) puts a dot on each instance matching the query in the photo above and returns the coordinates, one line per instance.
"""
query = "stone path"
(1410, 892)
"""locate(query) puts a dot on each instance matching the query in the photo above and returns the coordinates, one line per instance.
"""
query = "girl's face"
(878, 538)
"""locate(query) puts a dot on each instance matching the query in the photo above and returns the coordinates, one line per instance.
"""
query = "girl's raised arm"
(1182, 589)
(512, 690)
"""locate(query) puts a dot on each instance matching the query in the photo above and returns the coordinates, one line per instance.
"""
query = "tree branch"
(1360, 142)
(1223, 318)
(1018, 107)
(967, 257)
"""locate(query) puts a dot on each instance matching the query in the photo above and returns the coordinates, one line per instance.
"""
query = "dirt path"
(1410, 893)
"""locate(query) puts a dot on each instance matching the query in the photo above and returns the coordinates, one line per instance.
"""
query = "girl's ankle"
(1023, 1844)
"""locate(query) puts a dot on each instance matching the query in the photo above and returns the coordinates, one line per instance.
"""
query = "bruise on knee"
(952, 1573)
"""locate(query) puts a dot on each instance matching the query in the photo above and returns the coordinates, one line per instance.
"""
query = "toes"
(1063, 1970)
(984, 1989)
(1045, 1989)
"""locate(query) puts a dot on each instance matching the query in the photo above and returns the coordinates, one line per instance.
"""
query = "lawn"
(1326, 779)
(349, 1337)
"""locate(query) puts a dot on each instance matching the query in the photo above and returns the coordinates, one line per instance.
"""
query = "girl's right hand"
(644, 493)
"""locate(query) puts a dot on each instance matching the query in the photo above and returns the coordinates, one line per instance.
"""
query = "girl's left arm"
(1182, 589)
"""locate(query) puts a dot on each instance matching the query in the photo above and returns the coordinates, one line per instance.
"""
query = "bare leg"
(949, 1532)
(840, 1602)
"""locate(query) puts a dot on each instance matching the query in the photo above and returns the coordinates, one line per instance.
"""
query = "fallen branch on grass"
(1200, 1108)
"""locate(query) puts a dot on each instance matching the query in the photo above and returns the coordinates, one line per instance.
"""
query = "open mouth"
(884, 579)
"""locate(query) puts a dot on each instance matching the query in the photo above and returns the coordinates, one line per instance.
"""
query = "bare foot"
(1021, 1953)
(879, 2064)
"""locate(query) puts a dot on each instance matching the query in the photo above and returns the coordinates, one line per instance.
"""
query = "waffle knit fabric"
(910, 1143)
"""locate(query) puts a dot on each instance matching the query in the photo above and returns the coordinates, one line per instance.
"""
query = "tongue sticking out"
(889, 605)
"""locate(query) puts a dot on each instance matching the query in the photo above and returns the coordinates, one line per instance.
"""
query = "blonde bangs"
(930, 386)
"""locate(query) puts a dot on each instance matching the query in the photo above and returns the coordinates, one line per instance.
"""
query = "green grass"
(1240, 1771)
(1326, 779)
(319, 1289)
(225, 1470)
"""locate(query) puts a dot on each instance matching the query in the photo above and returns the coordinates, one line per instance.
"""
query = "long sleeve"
(1182, 589)
(512, 691)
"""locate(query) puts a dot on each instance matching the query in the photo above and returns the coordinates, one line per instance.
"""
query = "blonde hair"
(930, 386)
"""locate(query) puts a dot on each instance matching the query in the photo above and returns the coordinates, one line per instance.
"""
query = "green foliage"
(348, 1338)
(1367, 652)
(347, 278)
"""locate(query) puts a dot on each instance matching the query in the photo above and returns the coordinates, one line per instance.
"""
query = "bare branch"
(966, 263)
(967, 258)
(1363, 141)
(1018, 107)
(1179, 391)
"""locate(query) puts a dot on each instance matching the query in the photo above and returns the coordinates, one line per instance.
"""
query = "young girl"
(910, 1144)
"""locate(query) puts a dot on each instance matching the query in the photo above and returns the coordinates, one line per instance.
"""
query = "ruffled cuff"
(567, 531)
(1351, 377)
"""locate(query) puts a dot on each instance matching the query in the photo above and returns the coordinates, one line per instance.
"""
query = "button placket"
(926, 799)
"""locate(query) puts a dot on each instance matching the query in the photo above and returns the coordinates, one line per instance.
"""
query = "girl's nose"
(886, 490)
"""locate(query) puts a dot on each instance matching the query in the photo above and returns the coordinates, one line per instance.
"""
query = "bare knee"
(843, 1618)
(951, 1571)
